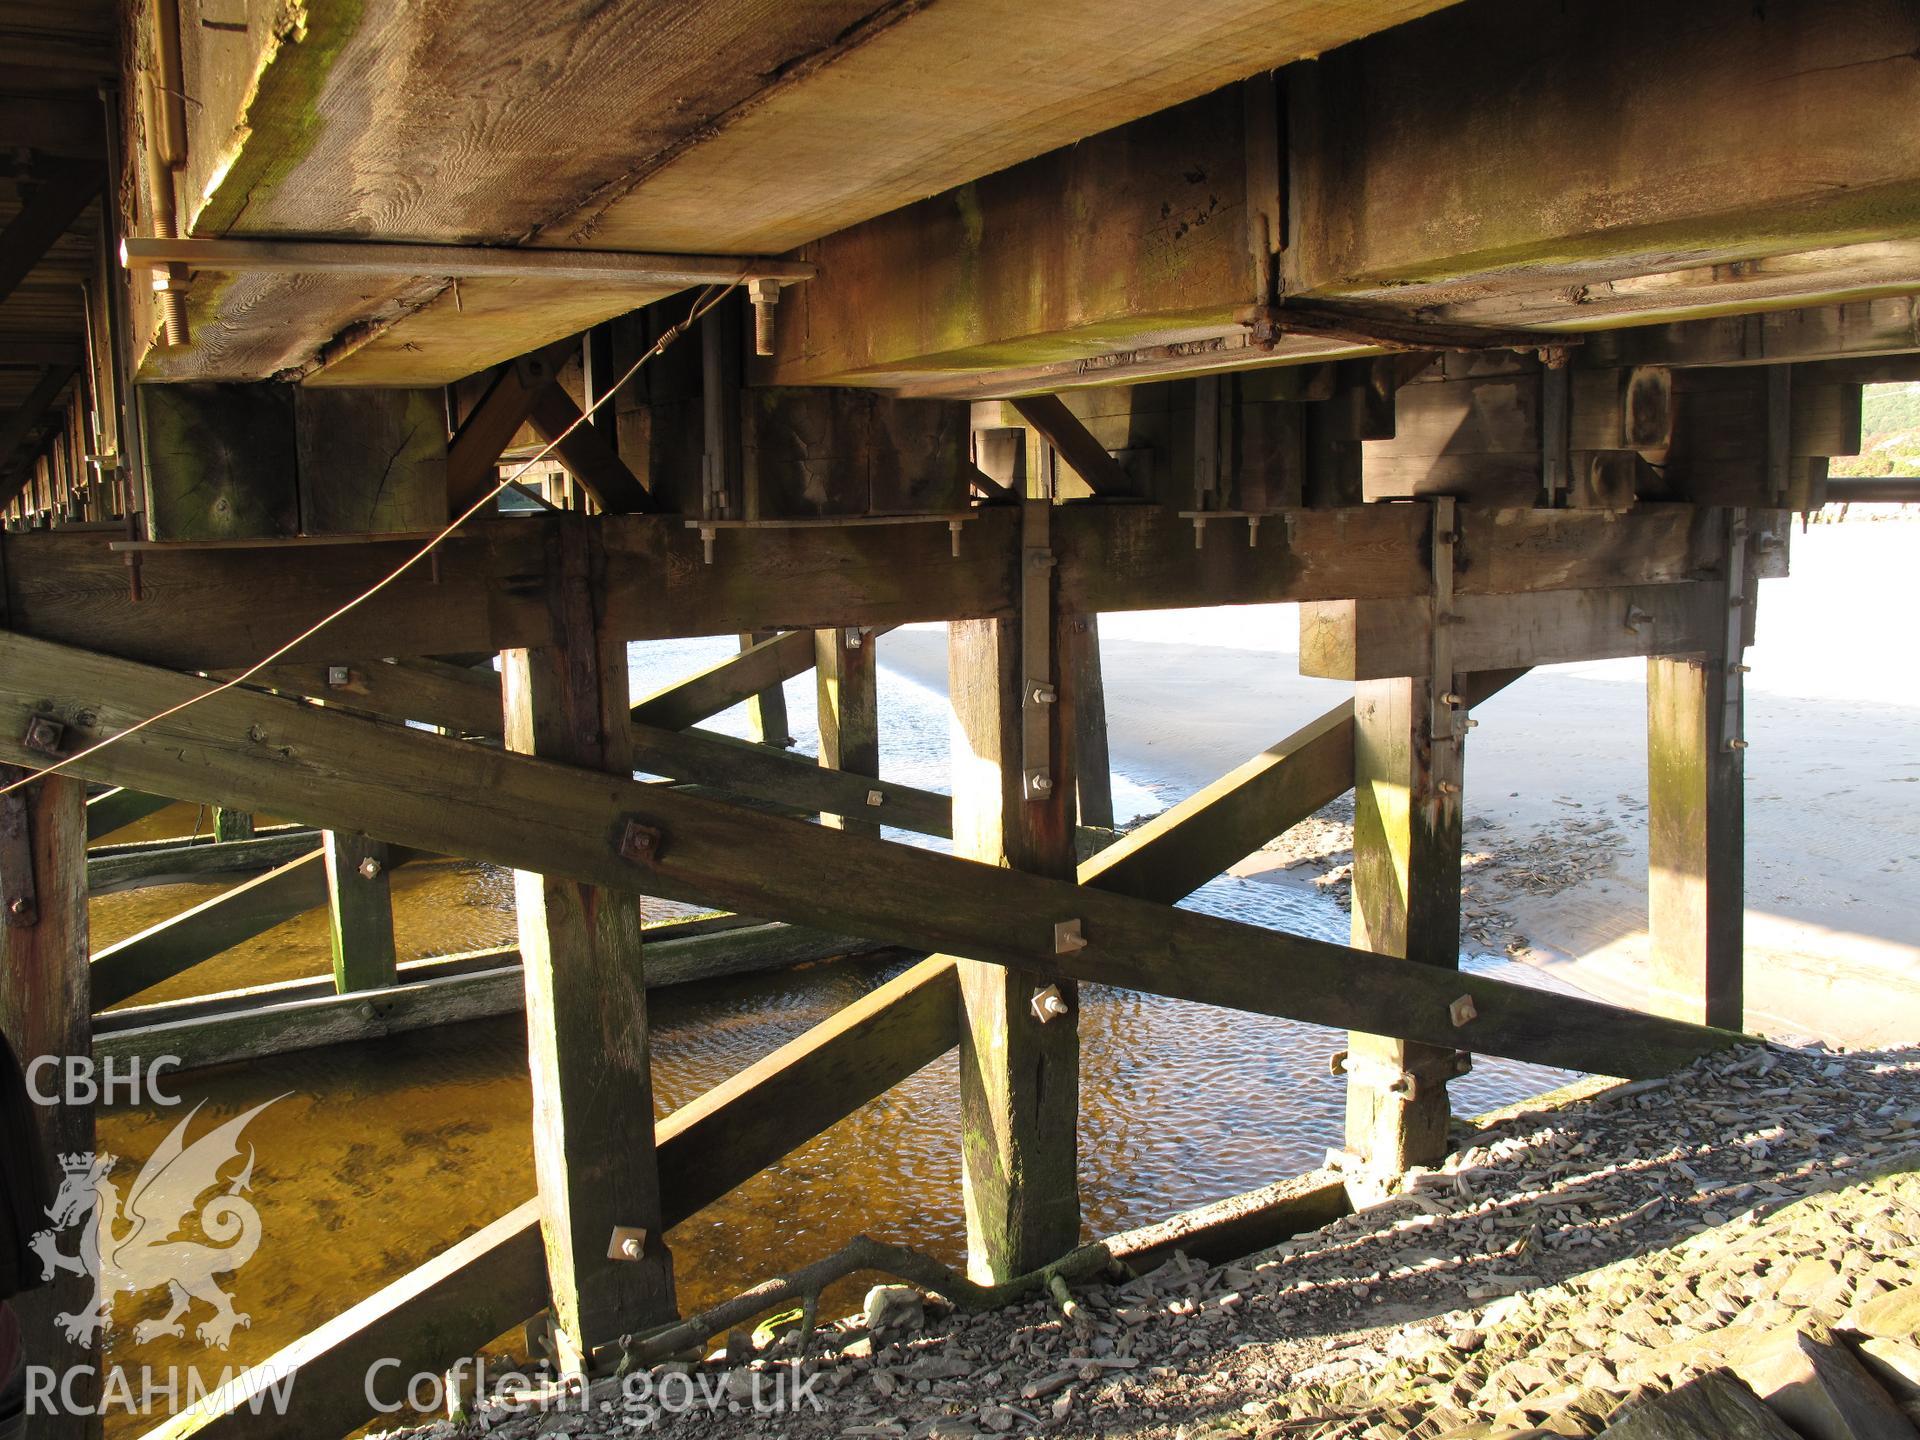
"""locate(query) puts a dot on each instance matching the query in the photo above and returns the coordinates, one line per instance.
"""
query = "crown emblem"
(82, 1161)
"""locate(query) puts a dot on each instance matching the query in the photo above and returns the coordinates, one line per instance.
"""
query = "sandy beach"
(1556, 782)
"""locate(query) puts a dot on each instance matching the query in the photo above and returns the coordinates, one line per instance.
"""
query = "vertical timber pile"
(1013, 805)
(587, 1043)
(45, 1010)
(1696, 819)
(1406, 902)
(1092, 762)
(767, 711)
(849, 709)
(359, 912)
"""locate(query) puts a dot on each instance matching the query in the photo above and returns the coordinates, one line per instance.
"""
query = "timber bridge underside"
(350, 524)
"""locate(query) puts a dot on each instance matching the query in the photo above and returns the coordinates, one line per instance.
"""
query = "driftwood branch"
(862, 1253)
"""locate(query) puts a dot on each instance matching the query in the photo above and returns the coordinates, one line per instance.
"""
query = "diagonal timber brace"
(264, 753)
(766, 1111)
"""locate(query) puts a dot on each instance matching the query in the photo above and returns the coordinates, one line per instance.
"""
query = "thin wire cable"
(708, 299)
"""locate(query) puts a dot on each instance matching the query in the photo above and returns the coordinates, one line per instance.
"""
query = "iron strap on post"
(1037, 692)
(1739, 581)
(18, 904)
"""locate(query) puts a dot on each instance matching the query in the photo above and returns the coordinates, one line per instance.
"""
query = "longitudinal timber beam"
(487, 591)
(445, 796)
(1787, 203)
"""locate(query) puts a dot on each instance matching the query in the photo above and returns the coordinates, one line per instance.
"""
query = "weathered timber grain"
(486, 591)
(1019, 1068)
(1406, 902)
(359, 911)
(846, 682)
(587, 1042)
(44, 1010)
(1696, 842)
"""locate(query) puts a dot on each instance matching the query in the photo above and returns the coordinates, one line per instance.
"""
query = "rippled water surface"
(378, 1155)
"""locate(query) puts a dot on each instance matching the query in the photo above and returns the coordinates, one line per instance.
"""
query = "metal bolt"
(1040, 784)
(874, 797)
(338, 677)
(1447, 787)
(764, 294)
(641, 843)
(369, 869)
(1462, 1011)
(1048, 1005)
(1337, 1062)
(1736, 744)
(44, 734)
(1069, 937)
(1040, 693)
(21, 908)
(628, 1242)
(1739, 669)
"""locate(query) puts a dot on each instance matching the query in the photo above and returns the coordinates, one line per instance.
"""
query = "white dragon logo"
(136, 1247)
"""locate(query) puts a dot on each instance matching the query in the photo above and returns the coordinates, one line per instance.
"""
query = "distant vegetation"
(1889, 433)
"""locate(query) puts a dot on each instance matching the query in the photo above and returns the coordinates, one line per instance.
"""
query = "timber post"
(1406, 902)
(587, 1043)
(849, 710)
(359, 912)
(45, 1010)
(1093, 763)
(1013, 797)
(767, 710)
(1696, 812)
(232, 824)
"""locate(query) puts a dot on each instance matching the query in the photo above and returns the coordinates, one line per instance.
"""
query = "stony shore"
(1575, 1260)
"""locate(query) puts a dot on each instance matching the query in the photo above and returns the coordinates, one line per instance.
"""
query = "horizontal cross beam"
(487, 591)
